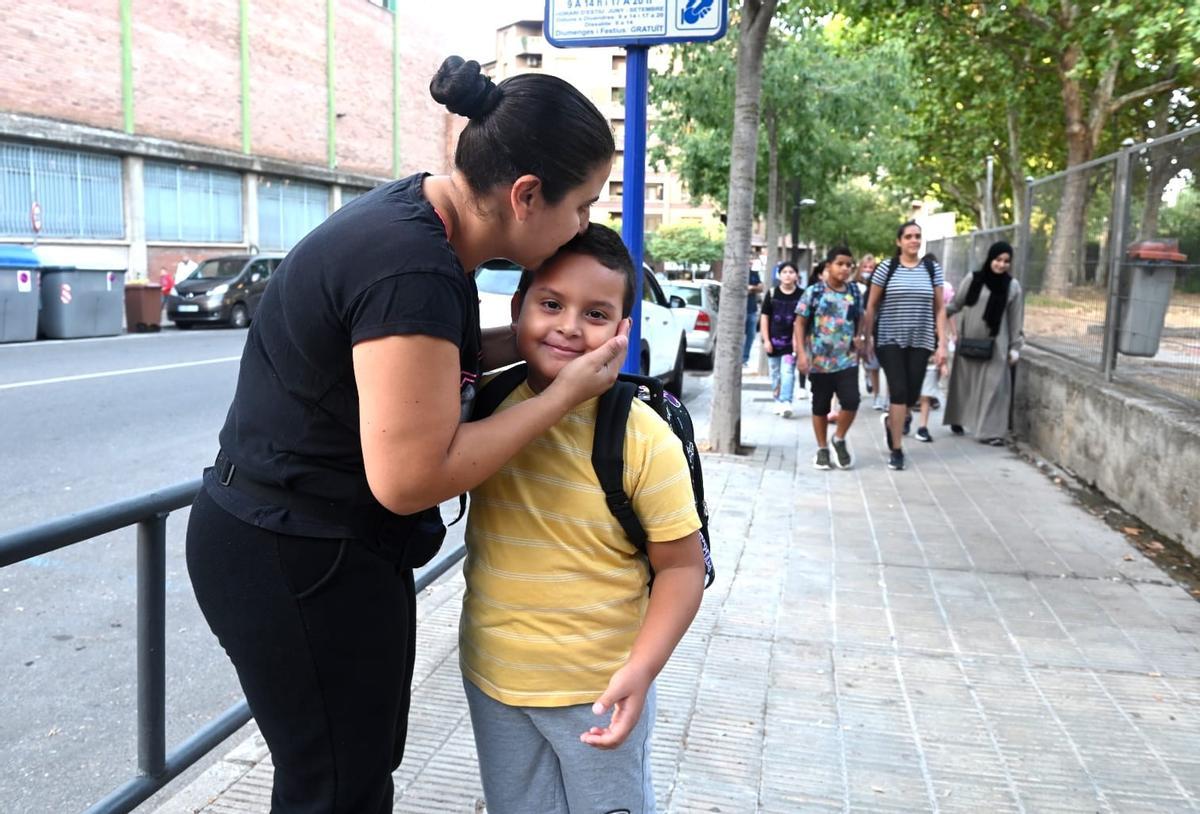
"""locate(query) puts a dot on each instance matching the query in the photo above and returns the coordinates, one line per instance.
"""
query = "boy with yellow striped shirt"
(559, 625)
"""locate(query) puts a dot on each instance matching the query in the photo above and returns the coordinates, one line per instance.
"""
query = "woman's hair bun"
(463, 89)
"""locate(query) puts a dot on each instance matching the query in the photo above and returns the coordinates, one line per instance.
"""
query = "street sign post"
(634, 25)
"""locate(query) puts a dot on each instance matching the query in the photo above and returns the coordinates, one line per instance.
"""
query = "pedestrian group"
(895, 316)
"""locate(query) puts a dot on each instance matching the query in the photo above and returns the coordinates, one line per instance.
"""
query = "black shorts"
(824, 385)
(905, 370)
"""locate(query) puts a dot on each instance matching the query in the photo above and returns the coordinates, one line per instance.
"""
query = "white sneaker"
(801, 394)
(786, 412)
(777, 408)
(879, 404)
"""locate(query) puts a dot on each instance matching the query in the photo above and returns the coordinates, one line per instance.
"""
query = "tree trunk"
(1064, 257)
(726, 425)
(772, 192)
(1016, 164)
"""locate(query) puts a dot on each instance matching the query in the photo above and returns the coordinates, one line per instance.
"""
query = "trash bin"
(18, 294)
(143, 307)
(1146, 293)
(80, 302)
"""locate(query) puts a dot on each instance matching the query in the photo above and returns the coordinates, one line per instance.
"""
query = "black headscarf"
(997, 285)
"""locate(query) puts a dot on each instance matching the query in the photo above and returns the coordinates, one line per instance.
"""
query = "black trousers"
(905, 370)
(322, 634)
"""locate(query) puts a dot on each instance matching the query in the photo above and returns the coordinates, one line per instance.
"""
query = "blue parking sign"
(575, 23)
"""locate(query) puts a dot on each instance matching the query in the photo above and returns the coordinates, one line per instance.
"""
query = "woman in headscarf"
(991, 334)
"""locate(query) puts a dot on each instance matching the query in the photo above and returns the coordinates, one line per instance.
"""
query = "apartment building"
(521, 47)
(135, 134)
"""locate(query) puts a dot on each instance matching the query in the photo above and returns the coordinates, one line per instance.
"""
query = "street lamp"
(796, 207)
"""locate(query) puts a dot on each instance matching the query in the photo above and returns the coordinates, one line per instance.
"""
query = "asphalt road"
(88, 422)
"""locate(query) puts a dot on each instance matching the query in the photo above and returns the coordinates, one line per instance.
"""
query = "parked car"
(699, 317)
(663, 345)
(222, 290)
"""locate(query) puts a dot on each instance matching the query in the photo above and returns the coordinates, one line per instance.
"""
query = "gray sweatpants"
(531, 760)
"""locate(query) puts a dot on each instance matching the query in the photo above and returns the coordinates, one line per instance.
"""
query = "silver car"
(698, 318)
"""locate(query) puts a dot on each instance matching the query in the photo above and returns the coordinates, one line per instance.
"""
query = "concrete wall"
(1141, 452)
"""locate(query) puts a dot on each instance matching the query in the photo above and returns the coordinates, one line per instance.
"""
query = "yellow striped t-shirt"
(555, 590)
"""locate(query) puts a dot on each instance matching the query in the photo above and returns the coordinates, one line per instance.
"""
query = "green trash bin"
(81, 302)
(1146, 288)
(18, 294)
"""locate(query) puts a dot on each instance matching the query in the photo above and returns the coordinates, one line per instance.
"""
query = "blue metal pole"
(633, 185)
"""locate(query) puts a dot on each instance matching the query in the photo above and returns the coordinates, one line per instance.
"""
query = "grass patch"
(1045, 301)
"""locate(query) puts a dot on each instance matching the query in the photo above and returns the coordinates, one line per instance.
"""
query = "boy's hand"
(802, 361)
(594, 372)
(626, 694)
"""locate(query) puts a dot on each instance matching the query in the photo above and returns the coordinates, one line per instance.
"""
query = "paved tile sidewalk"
(959, 636)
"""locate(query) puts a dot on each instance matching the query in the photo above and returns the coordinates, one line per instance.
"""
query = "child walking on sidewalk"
(826, 327)
(775, 327)
(559, 625)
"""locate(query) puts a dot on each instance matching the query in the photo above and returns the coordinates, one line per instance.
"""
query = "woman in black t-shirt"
(346, 428)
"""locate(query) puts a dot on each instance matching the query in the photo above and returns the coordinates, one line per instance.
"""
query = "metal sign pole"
(633, 185)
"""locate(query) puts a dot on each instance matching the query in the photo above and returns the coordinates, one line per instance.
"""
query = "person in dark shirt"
(775, 326)
(346, 431)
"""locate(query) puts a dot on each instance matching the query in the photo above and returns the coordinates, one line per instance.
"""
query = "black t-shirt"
(380, 266)
(779, 308)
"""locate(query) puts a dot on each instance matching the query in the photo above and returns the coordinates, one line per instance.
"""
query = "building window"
(350, 193)
(288, 210)
(189, 204)
(618, 96)
(79, 193)
(618, 126)
(531, 60)
(614, 189)
(652, 223)
(654, 192)
(618, 62)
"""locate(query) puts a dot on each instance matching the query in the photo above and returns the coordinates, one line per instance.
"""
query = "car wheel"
(239, 317)
(675, 384)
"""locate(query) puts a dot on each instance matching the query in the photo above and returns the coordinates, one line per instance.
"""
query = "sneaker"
(993, 442)
(956, 429)
(896, 460)
(879, 404)
(923, 435)
(786, 411)
(842, 458)
(821, 461)
(887, 433)
(870, 390)
(801, 394)
(907, 423)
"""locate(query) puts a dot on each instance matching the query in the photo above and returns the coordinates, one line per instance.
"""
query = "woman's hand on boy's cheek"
(626, 696)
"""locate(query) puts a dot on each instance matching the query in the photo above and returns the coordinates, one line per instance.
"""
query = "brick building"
(146, 132)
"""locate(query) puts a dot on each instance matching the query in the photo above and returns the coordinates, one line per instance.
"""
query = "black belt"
(310, 506)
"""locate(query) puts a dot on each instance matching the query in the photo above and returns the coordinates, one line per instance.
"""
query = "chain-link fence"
(1108, 254)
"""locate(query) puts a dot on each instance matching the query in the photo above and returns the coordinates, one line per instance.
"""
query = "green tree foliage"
(854, 215)
(686, 244)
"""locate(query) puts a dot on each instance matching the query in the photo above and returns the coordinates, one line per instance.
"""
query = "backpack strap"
(608, 457)
(497, 389)
(932, 274)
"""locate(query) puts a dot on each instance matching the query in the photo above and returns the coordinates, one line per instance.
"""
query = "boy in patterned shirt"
(828, 353)
(559, 624)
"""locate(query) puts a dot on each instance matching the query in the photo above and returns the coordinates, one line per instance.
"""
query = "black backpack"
(608, 445)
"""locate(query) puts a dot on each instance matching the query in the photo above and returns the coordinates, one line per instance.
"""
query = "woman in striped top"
(905, 323)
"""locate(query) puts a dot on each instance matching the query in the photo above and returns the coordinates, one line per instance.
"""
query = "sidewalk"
(959, 636)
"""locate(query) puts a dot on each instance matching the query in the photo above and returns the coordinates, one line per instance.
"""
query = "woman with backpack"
(905, 324)
(346, 431)
(991, 335)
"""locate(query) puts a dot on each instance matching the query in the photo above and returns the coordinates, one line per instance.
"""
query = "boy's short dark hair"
(601, 244)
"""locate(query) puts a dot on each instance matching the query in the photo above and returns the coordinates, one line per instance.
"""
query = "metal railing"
(149, 513)
(1091, 294)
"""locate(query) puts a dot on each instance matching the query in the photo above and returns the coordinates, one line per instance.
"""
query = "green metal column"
(127, 63)
(244, 26)
(395, 91)
(329, 53)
